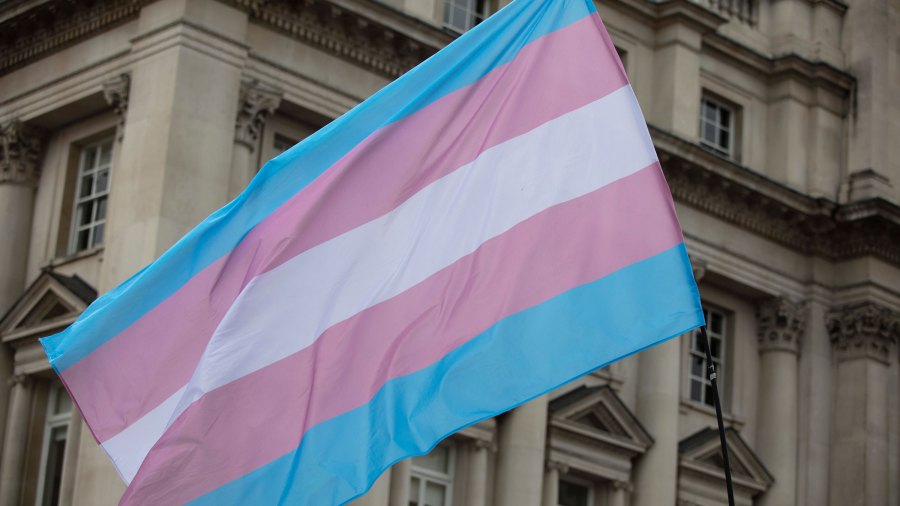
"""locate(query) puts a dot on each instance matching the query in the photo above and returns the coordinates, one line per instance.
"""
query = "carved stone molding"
(21, 148)
(698, 267)
(781, 325)
(115, 91)
(257, 102)
(54, 25)
(735, 194)
(341, 32)
(866, 330)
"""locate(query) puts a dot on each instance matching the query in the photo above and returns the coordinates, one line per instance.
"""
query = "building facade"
(123, 123)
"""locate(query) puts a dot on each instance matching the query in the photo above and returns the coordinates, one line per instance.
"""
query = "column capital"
(865, 330)
(256, 103)
(781, 325)
(19, 379)
(554, 465)
(21, 147)
(623, 485)
(115, 91)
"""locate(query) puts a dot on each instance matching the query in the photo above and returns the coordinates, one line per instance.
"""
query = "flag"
(490, 226)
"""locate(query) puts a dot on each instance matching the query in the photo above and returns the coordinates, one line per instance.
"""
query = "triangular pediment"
(49, 304)
(600, 411)
(702, 452)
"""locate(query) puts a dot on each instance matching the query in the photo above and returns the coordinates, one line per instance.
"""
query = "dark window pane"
(98, 235)
(709, 133)
(715, 347)
(90, 158)
(82, 241)
(105, 153)
(715, 323)
(708, 399)
(100, 209)
(697, 366)
(102, 181)
(87, 186)
(53, 471)
(724, 117)
(724, 140)
(572, 494)
(85, 212)
(696, 387)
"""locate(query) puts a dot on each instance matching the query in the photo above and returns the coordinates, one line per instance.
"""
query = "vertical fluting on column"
(864, 337)
(522, 436)
(12, 463)
(781, 326)
(656, 471)
(257, 103)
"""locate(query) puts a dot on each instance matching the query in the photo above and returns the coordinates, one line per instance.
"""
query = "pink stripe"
(218, 438)
(549, 77)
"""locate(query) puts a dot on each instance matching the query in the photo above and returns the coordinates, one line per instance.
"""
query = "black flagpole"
(711, 374)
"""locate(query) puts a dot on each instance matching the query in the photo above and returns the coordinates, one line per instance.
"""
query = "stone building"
(777, 125)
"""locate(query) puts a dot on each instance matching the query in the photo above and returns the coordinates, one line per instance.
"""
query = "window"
(461, 15)
(717, 126)
(431, 477)
(56, 428)
(700, 386)
(92, 189)
(574, 493)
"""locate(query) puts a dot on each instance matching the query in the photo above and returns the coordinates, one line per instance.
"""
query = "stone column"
(379, 494)
(255, 105)
(618, 493)
(781, 324)
(476, 492)
(656, 471)
(864, 337)
(21, 147)
(522, 437)
(400, 483)
(12, 463)
(551, 482)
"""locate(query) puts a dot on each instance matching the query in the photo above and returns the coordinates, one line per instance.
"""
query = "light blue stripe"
(517, 359)
(487, 46)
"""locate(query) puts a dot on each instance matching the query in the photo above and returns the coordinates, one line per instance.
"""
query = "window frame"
(733, 113)
(77, 200)
(469, 13)
(721, 361)
(425, 475)
(53, 421)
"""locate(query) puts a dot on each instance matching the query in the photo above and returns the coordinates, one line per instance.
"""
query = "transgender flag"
(490, 226)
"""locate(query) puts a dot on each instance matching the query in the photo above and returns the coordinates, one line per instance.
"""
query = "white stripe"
(285, 310)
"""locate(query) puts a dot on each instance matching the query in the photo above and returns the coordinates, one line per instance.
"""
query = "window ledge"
(731, 420)
(74, 257)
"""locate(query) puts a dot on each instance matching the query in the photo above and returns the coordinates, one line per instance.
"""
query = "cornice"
(343, 28)
(34, 30)
(815, 226)
(817, 74)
